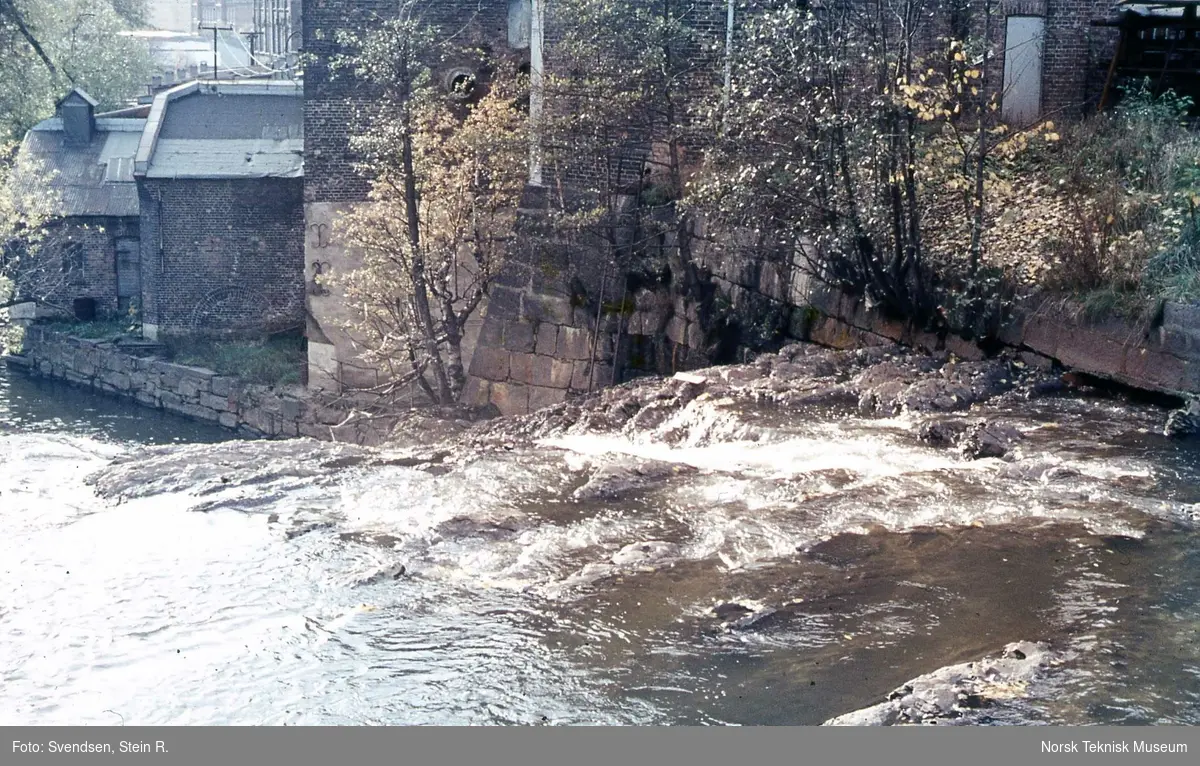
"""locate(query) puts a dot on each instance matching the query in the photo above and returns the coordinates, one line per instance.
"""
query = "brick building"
(220, 185)
(82, 163)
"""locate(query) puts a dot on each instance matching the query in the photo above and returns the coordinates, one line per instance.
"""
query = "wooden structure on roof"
(1160, 43)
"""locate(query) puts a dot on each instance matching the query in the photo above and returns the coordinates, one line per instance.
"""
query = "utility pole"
(251, 37)
(216, 29)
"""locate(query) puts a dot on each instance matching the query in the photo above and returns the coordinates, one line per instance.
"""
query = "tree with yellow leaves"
(447, 173)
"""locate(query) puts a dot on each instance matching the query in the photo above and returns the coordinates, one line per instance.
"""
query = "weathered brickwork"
(334, 101)
(1076, 56)
(222, 255)
(91, 270)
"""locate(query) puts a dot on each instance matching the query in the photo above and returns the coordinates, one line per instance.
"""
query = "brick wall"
(1076, 56)
(334, 102)
(94, 275)
(222, 255)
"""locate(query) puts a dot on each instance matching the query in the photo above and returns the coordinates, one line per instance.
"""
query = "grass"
(95, 330)
(274, 361)
(1110, 302)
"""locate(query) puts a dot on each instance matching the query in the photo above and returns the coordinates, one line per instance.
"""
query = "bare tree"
(38, 253)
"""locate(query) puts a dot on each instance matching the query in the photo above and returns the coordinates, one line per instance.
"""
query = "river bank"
(135, 370)
(780, 543)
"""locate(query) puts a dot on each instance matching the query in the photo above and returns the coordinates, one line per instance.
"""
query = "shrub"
(1131, 182)
(274, 361)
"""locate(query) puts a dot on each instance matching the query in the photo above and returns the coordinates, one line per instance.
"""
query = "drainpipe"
(728, 56)
(536, 84)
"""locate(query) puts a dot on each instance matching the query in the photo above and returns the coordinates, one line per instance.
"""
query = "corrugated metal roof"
(103, 125)
(93, 180)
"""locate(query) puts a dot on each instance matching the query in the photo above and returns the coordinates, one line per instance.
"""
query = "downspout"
(728, 58)
(160, 245)
(536, 94)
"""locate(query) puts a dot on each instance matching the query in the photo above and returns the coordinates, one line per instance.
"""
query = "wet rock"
(731, 610)
(427, 425)
(759, 619)
(1183, 422)
(304, 528)
(806, 368)
(885, 373)
(415, 457)
(955, 694)
(626, 475)
(942, 433)
(958, 386)
(984, 439)
(652, 416)
(1044, 471)
(383, 574)
(883, 399)
(647, 552)
(740, 373)
(261, 468)
(488, 529)
(1047, 387)
(736, 616)
(827, 396)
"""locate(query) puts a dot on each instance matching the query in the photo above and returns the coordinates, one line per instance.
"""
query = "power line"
(216, 29)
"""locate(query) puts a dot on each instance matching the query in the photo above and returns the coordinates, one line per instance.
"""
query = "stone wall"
(1164, 358)
(558, 323)
(222, 255)
(763, 301)
(193, 392)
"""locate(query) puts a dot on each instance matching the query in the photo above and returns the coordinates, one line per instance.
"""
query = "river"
(155, 571)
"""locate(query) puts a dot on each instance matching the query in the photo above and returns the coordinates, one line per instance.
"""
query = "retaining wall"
(1161, 356)
(251, 410)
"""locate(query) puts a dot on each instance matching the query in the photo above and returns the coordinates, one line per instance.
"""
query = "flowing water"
(202, 580)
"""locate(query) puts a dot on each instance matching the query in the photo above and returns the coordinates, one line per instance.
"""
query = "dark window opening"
(462, 85)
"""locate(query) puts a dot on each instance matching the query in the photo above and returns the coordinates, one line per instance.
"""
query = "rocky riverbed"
(921, 539)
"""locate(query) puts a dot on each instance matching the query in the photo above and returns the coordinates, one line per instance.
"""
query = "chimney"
(78, 113)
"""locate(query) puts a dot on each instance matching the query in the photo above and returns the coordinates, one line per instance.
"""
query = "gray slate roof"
(225, 130)
(93, 180)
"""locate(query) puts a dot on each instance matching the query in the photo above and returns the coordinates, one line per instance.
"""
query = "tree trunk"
(418, 273)
(980, 154)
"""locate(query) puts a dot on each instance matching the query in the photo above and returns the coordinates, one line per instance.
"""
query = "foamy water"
(257, 583)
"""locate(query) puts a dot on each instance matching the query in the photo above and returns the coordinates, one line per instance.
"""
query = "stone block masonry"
(1163, 359)
(193, 392)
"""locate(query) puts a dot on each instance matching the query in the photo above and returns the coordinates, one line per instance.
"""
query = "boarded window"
(1024, 39)
(129, 274)
(520, 17)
